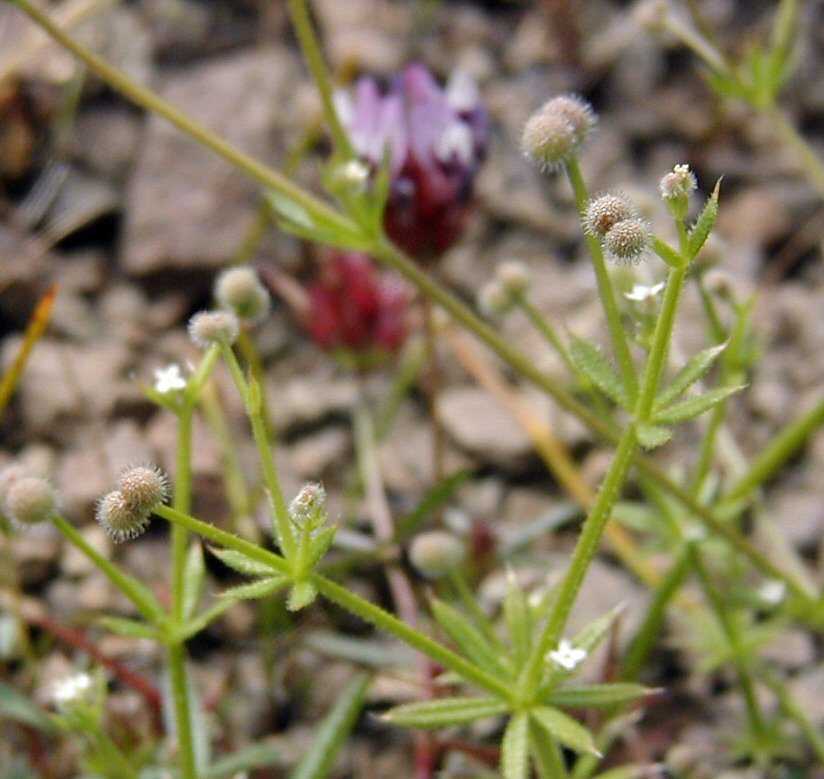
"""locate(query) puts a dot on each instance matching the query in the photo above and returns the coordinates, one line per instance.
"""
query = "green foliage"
(333, 731)
(592, 363)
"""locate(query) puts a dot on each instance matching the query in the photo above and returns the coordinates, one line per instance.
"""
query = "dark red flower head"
(354, 308)
(436, 140)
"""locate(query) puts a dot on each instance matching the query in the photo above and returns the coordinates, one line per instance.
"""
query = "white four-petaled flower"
(168, 379)
(72, 689)
(567, 656)
(641, 293)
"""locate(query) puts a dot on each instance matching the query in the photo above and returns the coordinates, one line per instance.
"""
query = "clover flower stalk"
(356, 310)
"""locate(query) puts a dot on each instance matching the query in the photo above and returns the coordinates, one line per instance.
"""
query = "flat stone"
(481, 426)
(186, 207)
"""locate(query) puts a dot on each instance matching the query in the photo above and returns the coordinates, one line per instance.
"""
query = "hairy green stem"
(617, 331)
(582, 556)
(176, 650)
(253, 405)
(660, 344)
(369, 612)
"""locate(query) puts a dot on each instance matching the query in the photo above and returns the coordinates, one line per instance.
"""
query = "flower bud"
(143, 487)
(555, 132)
(30, 500)
(627, 240)
(494, 299)
(676, 188)
(436, 553)
(651, 15)
(604, 211)
(514, 277)
(309, 504)
(241, 291)
(120, 520)
(8, 477)
(211, 327)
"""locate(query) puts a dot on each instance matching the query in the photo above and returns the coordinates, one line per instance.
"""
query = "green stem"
(176, 659)
(617, 332)
(733, 634)
(146, 99)
(708, 442)
(385, 621)
(130, 587)
(541, 324)
(582, 556)
(253, 405)
(642, 644)
(176, 650)
(350, 601)
(312, 55)
(660, 344)
(777, 452)
(810, 730)
(809, 161)
(182, 502)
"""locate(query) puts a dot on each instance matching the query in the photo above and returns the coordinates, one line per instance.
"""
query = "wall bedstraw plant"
(518, 667)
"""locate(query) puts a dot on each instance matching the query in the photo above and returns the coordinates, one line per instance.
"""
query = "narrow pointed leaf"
(597, 695)
(201, 621)
(16, 707)
(705, 223)
(194, 574)
(240, 562)
(594, 633)
(515, 747)
(259, 588)
(468, 638)
(301, 595)
(129, 627)
(652, 436)
(595, 367)
(243, 760)
(518, 621)
(440, 494)
(320, 544)
(333, 731)
(443, 712)
(295, 219)
(565, 729)
(695, 368)
(693, 407)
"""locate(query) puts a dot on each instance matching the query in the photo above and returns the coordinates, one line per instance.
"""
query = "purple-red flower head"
(435, 140)
(354, 308)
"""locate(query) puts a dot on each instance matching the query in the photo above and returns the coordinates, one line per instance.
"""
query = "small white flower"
(71, 690)
(567, 656)
(641, 293)
(772, 591)
(169, 379)
(354, 172)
